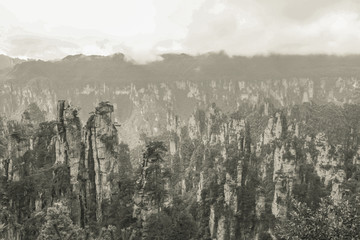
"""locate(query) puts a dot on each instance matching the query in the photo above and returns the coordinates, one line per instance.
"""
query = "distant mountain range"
(8, 62)
(179, 83)
(117, 69)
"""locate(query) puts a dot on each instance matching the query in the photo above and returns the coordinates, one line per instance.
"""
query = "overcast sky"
(143, 29)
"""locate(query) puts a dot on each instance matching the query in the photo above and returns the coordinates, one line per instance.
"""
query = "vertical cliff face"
(144, 203)
(17, 138)
(16, 145)
(101, 158)
(62, 145)
(67, 157)
(68, 138)
(174, 128)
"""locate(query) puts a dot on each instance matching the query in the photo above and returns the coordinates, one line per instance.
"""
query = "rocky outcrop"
(68, 149)
(73, 135)
(101, 159)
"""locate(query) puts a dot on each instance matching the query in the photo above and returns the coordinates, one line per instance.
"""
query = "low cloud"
(192, 26)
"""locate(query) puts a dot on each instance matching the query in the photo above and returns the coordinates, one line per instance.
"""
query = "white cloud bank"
(143, 29)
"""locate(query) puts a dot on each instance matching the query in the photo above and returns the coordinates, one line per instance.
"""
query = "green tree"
(154, 172)
(329, 221)
(58, 225)
(170, 224)
(158, 227)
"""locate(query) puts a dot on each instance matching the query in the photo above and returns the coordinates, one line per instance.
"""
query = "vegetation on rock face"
(61, 180)
(33, 114)
(44, 152)
(310, 190)
(154, 175)
(170, 224)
